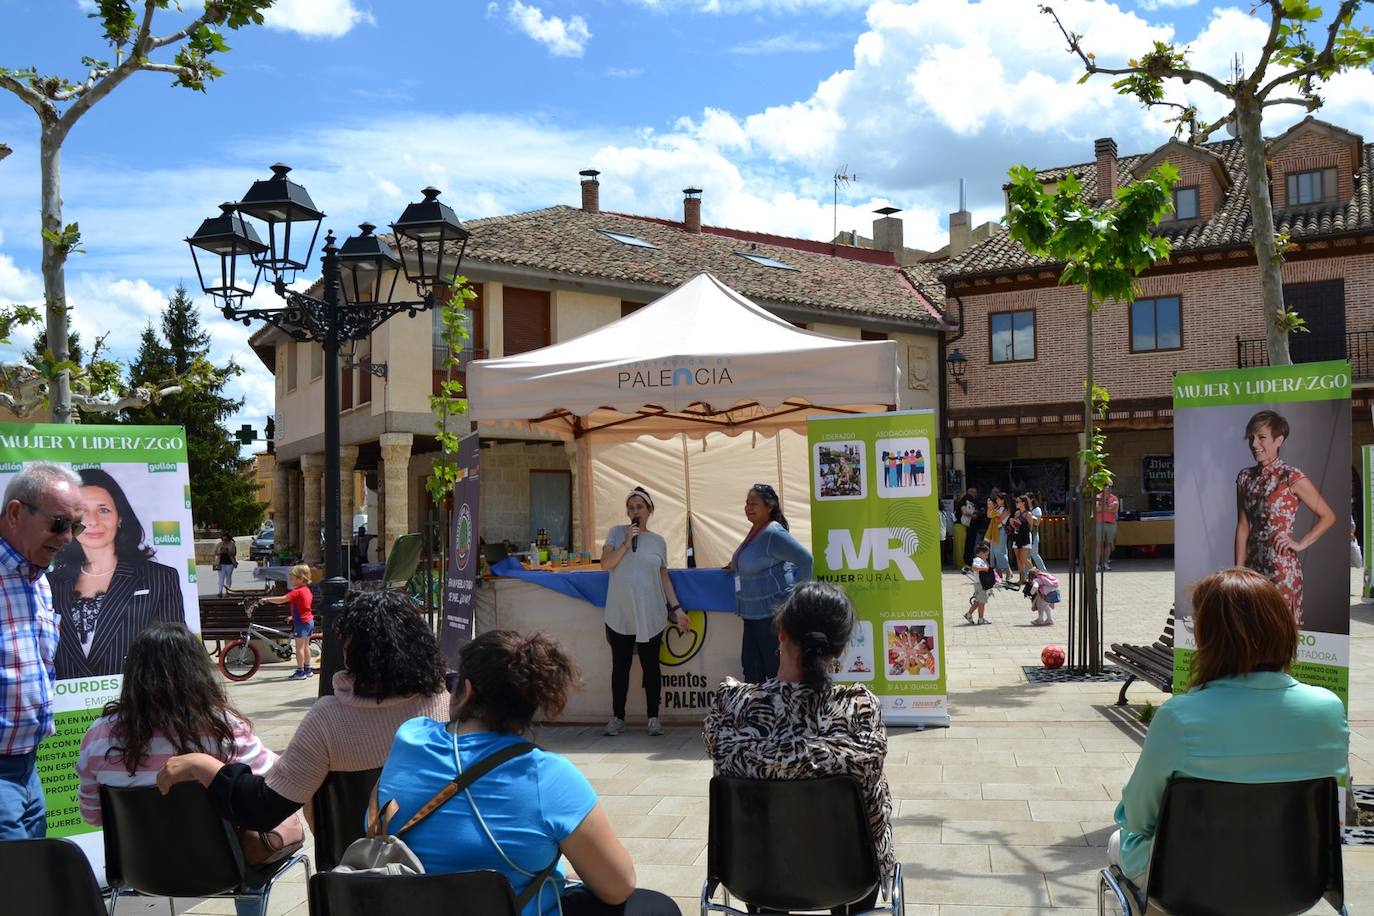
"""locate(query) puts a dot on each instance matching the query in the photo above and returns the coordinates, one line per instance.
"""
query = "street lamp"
(958, 365)
(359, 285)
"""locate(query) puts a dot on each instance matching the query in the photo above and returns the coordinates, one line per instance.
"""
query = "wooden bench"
(1153, 663)
(227, 618)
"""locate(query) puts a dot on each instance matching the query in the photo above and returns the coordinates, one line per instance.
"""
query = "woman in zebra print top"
(799, 725)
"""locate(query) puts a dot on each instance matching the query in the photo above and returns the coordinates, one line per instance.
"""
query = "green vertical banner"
(1367, 483)
(875, 532)
(137, 514)
(1262, 480)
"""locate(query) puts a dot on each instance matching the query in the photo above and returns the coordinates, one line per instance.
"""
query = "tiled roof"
(1229, 226)
(570, 241)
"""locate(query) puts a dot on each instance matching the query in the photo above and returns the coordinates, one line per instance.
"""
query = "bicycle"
(240, 659)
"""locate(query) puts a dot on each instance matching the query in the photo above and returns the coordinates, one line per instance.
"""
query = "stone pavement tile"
(1013, 774)
(959, 756)
(916, 831)
(966, 809)
(931, 790)
(928, 856)
(1107, 776)
(627, 804)
(674, 785)
(691, 827)
(647, 851)
(617, 785)
(1013, 833)
(645, 825)
(949, 887)
(679, 805)
(1018, 732)
(1033, 792)
(1042, 810)
(1052, 861)
(912, 773)
(960, 910)
(1066, 752)
(1097, 833)
(673, 880)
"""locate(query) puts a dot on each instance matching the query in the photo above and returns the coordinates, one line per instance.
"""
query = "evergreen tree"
(221, 496)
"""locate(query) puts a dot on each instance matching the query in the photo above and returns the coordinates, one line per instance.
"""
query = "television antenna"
(841, 176)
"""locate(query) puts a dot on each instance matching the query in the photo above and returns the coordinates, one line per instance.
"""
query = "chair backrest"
(469, 893)
(340, 807)
(1263, 849)
(403, 560)
(172, 845)
(48, 878)
(791, 844)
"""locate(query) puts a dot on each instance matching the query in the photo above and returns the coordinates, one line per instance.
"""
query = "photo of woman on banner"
(106, 587)
(1268, 496)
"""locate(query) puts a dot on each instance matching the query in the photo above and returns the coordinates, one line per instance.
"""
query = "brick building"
(1018, 422)
(543, 277)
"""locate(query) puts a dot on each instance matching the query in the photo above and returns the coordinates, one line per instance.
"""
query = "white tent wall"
(711, 474)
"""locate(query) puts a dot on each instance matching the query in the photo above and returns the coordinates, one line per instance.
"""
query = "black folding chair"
(784, 845)
(1262, 849)
(48, 878)
(469, 893)
(177, 845)
(340, 809)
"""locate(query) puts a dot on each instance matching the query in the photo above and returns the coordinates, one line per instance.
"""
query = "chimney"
(591, 191)
(1105, 149)
(960, 226)
(887, 231)
(691, 209)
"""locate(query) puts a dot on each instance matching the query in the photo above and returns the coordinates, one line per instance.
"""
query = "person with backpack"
(518, 816)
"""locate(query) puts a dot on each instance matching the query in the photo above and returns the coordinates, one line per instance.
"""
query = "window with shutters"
(525, 320)
(472, 347)
(292, 364)
(346, 388)
(316, 362)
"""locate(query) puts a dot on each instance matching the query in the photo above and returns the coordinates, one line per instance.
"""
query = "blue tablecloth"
(697, 589)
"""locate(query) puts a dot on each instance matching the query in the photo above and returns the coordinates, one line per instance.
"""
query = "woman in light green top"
(639, 603)
(1243, 719)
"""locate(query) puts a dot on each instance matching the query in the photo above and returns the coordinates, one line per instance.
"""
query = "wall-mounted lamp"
(958, 365)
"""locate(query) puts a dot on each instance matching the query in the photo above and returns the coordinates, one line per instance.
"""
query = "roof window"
(625, 239)
(765, 261)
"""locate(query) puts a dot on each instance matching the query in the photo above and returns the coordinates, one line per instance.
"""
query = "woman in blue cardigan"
(1243, 719)
(766, 566)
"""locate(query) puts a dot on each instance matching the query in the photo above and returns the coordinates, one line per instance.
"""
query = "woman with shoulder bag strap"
(171, 703)
(522, 814)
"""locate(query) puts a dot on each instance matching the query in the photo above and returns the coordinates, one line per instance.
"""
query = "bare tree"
(60, 103)
(1292, 68)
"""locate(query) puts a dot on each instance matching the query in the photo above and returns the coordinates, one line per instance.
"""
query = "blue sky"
(500, 104)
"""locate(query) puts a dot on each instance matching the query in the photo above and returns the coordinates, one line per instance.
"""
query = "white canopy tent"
(696, 397)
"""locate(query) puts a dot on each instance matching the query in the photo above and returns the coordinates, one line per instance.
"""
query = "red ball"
(1052, 656)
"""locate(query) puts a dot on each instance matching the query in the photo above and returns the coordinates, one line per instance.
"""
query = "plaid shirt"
(28, 645)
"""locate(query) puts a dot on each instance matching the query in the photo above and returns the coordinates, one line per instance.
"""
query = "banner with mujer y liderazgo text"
(1262, 479)
(135, 484)
(875, 531)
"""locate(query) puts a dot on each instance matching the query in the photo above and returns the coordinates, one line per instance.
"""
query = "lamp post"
(958, 365)
(359, 285)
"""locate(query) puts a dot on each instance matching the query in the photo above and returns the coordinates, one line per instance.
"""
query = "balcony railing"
(1356, 346)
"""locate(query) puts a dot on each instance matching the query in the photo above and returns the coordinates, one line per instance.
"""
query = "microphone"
(634, 541)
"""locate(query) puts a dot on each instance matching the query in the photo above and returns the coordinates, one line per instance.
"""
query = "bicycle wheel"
(239, 660)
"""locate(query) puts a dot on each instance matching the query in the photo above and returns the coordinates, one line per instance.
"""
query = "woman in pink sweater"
(170, 703)
(393, 672)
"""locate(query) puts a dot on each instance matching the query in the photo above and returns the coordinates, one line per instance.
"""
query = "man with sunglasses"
(40, 515)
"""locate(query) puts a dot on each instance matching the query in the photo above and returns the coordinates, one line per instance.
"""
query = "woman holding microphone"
(636, 598)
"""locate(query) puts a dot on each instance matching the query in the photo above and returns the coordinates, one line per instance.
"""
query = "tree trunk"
(1087, 532)
(54, 276)
(1270, 259)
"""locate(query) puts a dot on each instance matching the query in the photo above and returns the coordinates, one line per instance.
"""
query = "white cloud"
(734, 7)
(316, 18)
(1153, 5)
(624, 73)
(790, 43)
(563, 37)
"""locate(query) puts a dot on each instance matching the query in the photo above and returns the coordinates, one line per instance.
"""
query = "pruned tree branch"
(1325, 60)
(1090, 64)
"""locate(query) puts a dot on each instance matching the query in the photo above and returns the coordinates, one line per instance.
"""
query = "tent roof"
(701, 349)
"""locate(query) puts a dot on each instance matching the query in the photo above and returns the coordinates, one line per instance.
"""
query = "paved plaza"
(1007, 811)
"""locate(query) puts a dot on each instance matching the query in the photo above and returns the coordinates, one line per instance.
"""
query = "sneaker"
(1106, 566)
(615, 726)
(299, 675)
(983, 620)
(309, 672)
(969, 616)
(655, 728)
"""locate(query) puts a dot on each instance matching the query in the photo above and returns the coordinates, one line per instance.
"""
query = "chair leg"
(1121, 697)
(171, 907)
(114, 900)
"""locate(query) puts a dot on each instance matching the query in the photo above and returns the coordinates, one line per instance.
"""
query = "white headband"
(642, 494)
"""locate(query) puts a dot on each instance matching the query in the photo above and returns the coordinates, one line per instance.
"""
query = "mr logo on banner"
(877, 548)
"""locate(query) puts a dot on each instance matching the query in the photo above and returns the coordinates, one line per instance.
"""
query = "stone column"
(280, 497)
(396, 486)
(288, 534)
(312, 470)
(958, 444)
(348, 457)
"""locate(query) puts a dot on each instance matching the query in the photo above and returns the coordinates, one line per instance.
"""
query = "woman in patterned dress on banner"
(1267, 499)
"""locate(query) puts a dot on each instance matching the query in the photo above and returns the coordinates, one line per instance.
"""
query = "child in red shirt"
(302, 618)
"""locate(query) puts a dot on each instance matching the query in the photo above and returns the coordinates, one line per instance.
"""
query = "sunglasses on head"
(765, 490)
(57, 524)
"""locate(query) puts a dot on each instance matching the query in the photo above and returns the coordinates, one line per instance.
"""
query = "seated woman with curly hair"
(799, 725)
(520, 816)
(393, 671)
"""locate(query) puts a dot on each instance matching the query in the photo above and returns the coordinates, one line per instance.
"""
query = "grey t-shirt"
(635, 603)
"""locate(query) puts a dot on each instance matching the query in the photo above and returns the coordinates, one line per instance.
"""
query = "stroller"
(972, 578)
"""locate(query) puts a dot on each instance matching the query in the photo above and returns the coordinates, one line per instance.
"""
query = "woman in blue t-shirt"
(523, 814)
(766, 565)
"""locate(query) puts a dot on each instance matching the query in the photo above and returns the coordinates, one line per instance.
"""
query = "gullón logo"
(679, 648)
(166, 533)
(191, 570)
(162, 467)
(10, 467)
(186, 495)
